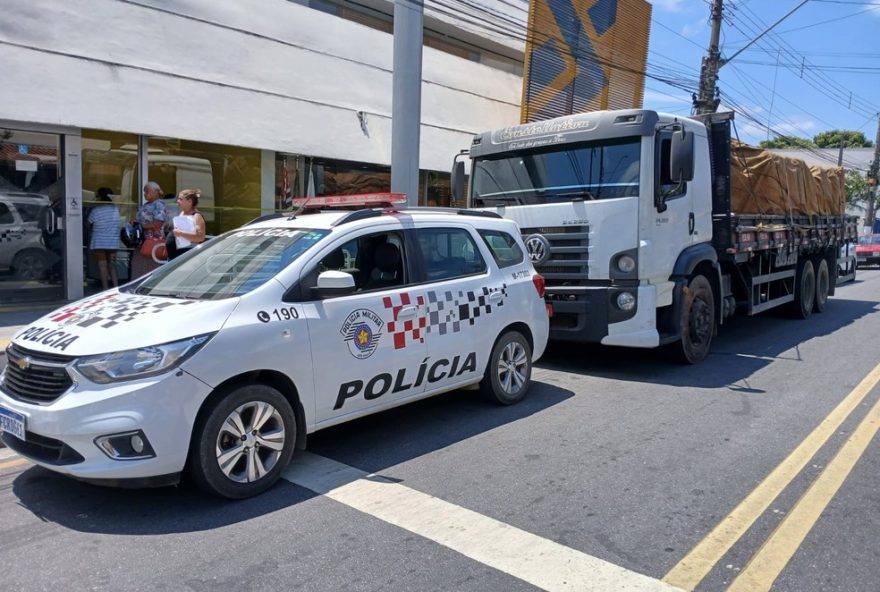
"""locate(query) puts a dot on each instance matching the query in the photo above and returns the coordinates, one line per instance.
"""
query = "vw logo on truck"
(538, 248)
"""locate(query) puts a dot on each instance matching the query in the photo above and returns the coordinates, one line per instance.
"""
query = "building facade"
(254, 103)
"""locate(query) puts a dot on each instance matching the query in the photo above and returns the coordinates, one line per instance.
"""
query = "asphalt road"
(740, 473)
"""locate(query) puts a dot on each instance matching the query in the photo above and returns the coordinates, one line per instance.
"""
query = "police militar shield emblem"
(361, 332)
(538, 247)
(23, 363)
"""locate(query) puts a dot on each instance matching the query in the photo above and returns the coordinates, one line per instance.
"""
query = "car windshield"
(230, 265)
(870, 240)
(604, 170)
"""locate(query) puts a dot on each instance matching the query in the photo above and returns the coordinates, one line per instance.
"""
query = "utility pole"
(406, 98)
(873, 174)
(707, 101)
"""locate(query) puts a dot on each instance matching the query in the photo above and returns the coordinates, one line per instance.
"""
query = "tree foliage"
(787, 142)
(856, 188)
(850, 139)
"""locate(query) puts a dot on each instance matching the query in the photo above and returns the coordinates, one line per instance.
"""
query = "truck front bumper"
(592, 315)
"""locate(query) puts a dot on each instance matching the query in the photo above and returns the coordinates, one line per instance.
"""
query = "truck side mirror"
(457, 181)
(681, 157)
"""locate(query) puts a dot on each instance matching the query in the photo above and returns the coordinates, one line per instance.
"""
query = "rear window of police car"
(504, 248)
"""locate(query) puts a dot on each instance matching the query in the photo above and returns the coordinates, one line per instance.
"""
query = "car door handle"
(496, 295)
(407, 311)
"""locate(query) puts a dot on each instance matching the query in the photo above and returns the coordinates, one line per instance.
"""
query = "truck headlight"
(626, 264)
(626, 301)
(139, 363)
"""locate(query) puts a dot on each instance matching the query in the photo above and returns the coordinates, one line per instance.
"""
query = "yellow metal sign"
(584, 55)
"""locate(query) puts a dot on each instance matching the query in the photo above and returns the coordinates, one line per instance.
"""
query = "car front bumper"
(63, 436)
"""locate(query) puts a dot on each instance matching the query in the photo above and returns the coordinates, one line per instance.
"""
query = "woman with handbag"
(151, 217)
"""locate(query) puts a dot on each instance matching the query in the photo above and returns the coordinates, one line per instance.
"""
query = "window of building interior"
(228, 177)
(324, 176)
(110, 159)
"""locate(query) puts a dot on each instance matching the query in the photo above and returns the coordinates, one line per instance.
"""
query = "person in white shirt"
(189, 225)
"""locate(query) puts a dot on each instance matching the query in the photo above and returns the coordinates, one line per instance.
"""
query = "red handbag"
(148, 244)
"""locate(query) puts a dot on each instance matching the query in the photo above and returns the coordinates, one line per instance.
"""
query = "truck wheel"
(823, 285)
(242, 442)
(804, 289)
(509, 371)
(697, 320)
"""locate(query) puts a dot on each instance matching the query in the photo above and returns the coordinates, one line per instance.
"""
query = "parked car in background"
(868, 250)
(22, 251)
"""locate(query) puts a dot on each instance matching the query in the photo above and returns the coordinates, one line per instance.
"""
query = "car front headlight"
(139, 363)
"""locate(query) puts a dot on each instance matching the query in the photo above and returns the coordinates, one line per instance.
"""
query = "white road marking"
(538, 561)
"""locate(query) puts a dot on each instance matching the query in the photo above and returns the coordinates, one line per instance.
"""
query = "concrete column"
(73, 216)
(267, 182)
(406, 99)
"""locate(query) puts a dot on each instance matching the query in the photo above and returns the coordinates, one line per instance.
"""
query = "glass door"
(31, 217)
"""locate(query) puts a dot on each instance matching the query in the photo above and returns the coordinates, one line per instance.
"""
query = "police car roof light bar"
(347, 201)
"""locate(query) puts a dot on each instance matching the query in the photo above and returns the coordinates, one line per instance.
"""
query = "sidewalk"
(13, 318)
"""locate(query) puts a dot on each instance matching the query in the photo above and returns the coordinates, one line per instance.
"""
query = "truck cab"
(612, 225)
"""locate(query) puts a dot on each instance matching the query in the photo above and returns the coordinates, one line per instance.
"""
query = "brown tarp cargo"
(762, 182)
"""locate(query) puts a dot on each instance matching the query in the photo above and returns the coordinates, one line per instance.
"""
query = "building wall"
(271, 74)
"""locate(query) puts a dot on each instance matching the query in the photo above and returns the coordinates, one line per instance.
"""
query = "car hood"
(117, 321)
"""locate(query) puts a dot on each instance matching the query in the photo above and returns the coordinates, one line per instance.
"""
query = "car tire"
(242, 441)
(509, 371)
(30, 264)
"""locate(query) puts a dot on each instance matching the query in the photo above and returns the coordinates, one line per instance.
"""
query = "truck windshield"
(596, 170)
(230, 265)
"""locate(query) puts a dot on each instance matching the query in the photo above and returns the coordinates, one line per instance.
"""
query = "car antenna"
(300, 207)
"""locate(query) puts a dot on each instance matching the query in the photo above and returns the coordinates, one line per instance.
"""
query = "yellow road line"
(13, 463)
(691, 570)
(775, 553)
(3, 344)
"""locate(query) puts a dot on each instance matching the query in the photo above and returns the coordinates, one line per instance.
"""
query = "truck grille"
(35, 377)
(569, 260)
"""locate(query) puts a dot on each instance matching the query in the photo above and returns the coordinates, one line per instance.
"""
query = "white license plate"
(12, 422)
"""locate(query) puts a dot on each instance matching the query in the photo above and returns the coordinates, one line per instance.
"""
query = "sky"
(817, 70)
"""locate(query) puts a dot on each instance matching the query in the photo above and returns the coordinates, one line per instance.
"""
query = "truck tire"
(804, 290)
(242, 442)
(509, 370)
(823, 286)
(697, 321)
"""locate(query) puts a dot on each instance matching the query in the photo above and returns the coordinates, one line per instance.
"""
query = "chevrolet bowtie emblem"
(23, 363)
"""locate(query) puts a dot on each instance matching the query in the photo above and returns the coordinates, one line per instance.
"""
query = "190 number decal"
(285, 313)
(281, 314)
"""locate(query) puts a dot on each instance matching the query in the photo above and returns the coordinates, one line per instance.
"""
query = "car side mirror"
(681, 156)
(333, 283)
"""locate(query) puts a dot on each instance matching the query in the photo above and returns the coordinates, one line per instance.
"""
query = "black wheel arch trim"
(703, 258)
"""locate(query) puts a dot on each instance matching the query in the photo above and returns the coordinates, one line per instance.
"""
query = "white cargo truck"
(629, 217)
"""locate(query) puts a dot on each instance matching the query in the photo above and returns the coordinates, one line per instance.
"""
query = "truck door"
(671, 231)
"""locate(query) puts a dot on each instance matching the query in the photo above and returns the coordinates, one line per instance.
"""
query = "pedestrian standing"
(189, 225)
(104, 241)
(151, 216)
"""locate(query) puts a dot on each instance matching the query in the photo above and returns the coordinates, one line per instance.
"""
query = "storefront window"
(228, 177)
(434, 190)
(109, 160)
(300, 176)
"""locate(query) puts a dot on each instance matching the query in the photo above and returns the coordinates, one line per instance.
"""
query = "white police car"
(220, 362)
